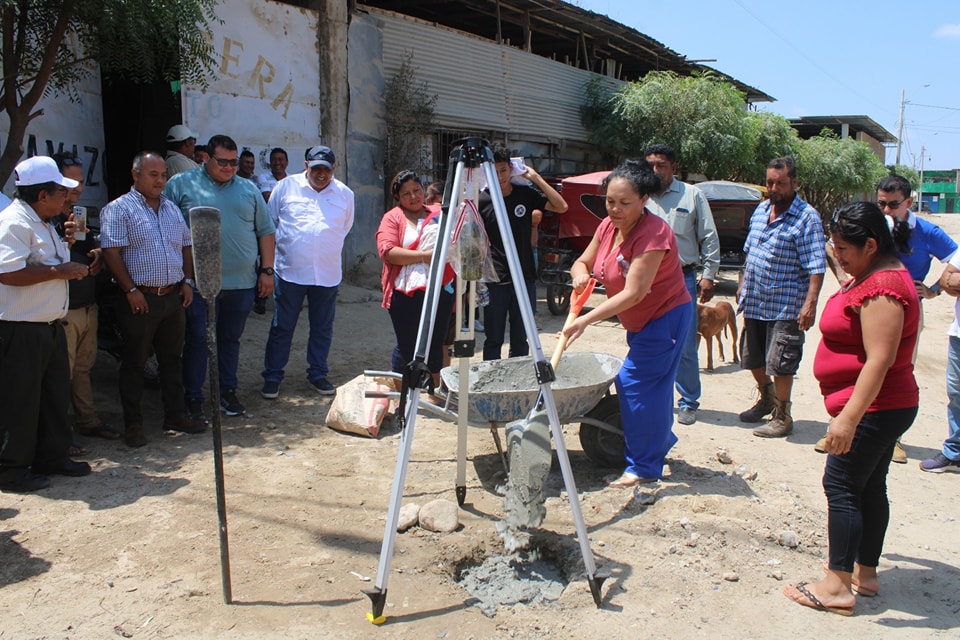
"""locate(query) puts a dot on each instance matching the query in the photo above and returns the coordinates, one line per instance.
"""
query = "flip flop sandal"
(814, 601)
(101, 431)
(863, 591)
(75, 450)
(629, 480)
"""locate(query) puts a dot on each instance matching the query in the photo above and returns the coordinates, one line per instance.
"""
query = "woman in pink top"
(863, 364)
(634, 255)
(405, 241)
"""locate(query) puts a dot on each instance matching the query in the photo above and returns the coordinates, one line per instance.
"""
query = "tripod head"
(472, 152)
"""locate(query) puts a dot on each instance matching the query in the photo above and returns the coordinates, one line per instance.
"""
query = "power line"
(933, 106)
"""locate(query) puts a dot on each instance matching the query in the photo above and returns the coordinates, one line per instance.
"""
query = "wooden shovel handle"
(577, 300)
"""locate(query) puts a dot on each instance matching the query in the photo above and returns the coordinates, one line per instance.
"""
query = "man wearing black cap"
(181, 144)
(34, 373)
(313, 212)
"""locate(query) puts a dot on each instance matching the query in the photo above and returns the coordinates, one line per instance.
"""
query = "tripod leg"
(462, 415)
(378, 594)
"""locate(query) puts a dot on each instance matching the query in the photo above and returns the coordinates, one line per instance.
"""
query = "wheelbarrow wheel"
(558, 298)
(603, 447)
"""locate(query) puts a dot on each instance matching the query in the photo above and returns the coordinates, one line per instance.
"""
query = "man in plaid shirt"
(778, 294)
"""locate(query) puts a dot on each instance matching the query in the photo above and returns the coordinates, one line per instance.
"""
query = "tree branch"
(50, 55)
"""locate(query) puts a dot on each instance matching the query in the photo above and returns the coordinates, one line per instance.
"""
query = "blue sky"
(827, 58)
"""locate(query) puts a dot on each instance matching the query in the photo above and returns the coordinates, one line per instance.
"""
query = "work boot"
(780, 425)
(764, 405)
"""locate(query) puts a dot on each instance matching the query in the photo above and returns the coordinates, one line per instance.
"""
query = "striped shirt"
(781, 257)
(151, 241)
(26, 240)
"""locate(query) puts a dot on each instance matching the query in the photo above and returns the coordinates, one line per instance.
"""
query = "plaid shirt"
(151, 241)
(781, 257)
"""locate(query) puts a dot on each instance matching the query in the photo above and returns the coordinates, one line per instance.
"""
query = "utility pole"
(900, 124)
(920, 188)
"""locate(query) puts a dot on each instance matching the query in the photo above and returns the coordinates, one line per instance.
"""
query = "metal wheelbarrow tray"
(502, 391)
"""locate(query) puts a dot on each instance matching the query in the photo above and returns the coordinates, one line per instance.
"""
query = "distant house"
(859, 128)
(940, 191)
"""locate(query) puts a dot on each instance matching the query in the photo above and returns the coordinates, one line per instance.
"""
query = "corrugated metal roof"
(484, 85)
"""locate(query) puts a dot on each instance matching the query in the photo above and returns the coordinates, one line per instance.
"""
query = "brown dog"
(712, 321)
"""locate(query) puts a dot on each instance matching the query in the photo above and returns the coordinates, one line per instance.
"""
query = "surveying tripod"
(473, 158)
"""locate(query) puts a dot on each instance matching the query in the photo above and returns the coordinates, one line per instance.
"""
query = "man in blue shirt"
(778, 294)
(246, 231)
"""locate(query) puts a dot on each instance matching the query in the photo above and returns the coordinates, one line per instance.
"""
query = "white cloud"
(947, 31)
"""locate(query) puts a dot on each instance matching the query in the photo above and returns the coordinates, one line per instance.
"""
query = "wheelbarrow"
(502, 391)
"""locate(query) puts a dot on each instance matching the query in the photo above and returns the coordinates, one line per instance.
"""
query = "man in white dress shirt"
(313, 212)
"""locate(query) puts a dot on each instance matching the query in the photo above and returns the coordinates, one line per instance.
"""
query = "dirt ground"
(132, 550)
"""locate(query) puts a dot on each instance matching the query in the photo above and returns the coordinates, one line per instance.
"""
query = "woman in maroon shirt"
(863, 364)
(634, 255)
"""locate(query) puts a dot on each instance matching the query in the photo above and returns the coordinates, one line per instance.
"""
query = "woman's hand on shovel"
(573, 331)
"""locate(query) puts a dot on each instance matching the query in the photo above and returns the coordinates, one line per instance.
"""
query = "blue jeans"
(321, 307)
(645, 388)
(503, 301)
(688, 374)
(232, 308)
(856, 488)
(951, 446)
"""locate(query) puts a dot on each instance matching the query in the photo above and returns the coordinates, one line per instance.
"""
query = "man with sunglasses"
(246, 232)
(35, 267)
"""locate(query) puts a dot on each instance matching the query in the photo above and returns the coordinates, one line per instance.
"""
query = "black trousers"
(34, 395)
(162, 328)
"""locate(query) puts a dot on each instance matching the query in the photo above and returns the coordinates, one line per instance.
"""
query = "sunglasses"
(893, 204)
(225, 162)
(68, 161)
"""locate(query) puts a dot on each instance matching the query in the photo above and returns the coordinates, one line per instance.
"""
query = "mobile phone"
(80, 217)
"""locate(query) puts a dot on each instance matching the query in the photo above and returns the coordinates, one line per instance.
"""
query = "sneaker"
(134, 436)
(185, 424)
(940, 463)
(899, 454)
(321, 386)
(686, 415)
(229, 403)
(26, 483)
(194, 408)
(271, 389)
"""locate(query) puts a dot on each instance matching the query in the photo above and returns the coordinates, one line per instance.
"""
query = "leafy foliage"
(770, 136)
(833, 171)
(700, 116)
(410, 110)
(50, 45)
(907, 172)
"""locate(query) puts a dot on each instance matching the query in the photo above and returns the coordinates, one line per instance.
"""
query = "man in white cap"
(180, 147)
(313, 212)
(34, 373)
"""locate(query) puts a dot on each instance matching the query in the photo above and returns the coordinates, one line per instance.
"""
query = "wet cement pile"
(508, 580)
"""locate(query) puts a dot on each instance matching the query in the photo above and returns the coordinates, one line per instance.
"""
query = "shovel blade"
(205, 228)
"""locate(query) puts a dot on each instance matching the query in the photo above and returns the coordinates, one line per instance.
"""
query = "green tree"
(410, 113)
(907, 172)
(770, 136)
(832, 171)
(700, 116)
(49, 45)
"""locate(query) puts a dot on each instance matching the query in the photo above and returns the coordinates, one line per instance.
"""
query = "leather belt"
(160, 291)
(689, 268)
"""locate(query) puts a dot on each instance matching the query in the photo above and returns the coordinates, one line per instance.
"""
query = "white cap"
(40, 170)
(179, 133)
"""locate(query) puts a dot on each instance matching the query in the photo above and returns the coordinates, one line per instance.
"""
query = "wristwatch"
(266, 270)
(190, 281)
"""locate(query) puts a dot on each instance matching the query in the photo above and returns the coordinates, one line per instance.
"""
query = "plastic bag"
(352, 412)
(471, 246)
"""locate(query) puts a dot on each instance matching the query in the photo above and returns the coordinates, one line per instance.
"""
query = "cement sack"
(352, 412)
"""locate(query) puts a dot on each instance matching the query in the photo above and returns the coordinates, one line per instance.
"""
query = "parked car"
(732, 204)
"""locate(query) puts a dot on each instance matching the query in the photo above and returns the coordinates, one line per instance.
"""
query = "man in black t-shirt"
(520, 201)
